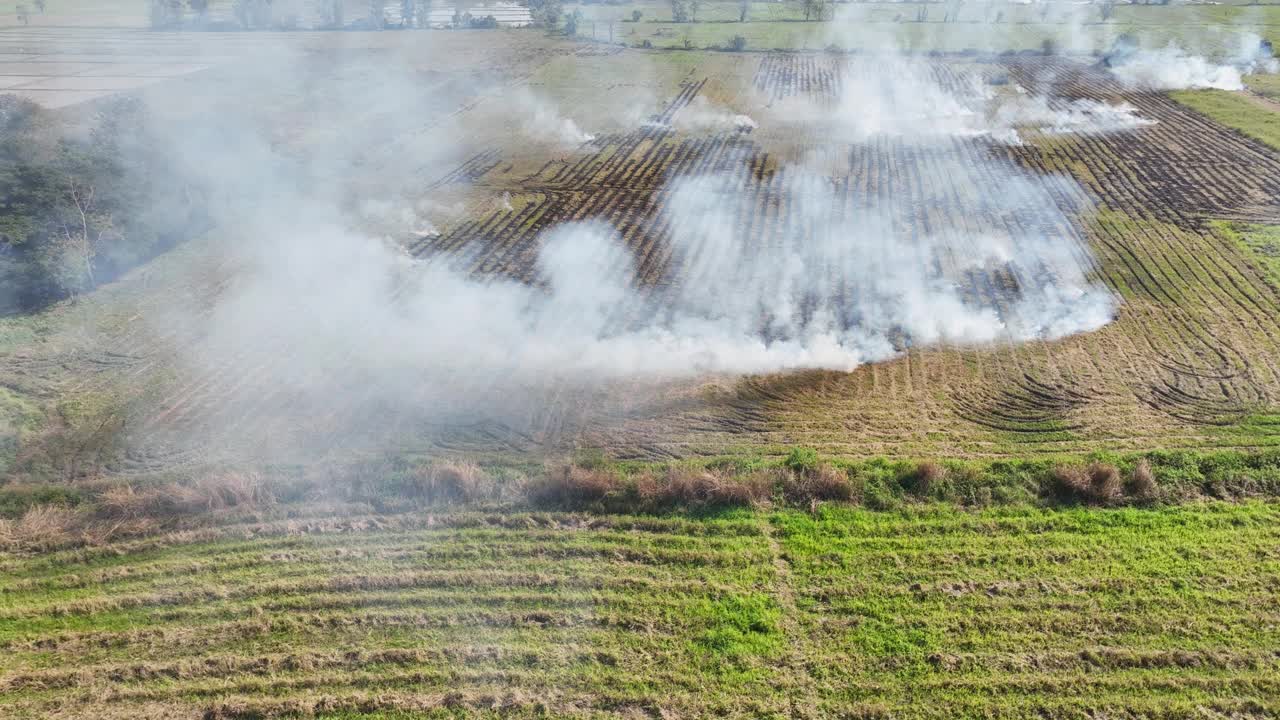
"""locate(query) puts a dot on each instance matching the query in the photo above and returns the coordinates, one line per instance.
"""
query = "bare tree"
(67, 258)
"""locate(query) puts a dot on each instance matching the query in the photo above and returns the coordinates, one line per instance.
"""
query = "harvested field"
(1187, 361)
(931, 614)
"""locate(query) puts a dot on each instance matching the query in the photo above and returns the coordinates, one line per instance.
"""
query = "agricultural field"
(1185, 363)
(504, 373)
(927, 613)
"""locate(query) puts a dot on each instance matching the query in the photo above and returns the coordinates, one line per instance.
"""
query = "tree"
(571, 23)
(76, 210)
(24, 15)
(40, 6)
(744, 8)
(1106, 8)
(680, 10)
(69, 254)
(546, 12)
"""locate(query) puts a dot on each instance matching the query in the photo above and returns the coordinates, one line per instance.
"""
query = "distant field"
(929, 613)
(981, 26)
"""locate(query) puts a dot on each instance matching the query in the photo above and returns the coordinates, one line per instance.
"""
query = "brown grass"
(42, 527)
(1142, 484)
(1099, 483)
(1105, 482)
(452, 482)
(926, 477)
(822, 483)
(571, 486)
(211, 493)
(685, 487)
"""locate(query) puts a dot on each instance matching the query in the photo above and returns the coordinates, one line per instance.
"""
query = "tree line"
(81, 205)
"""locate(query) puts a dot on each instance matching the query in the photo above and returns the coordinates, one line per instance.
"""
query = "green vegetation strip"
(925, 611)
(1250, 116)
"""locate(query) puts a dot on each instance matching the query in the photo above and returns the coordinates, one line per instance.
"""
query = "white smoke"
(902, 97)
(701, 116)
(336, 320)
(1060, 117)
(541, 121)
(1174, 68)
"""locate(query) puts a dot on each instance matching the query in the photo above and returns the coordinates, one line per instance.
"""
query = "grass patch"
(1259, 243)
(1235, 111)
(925, 611)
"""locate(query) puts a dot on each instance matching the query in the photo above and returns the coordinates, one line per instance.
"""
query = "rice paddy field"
(932, 612)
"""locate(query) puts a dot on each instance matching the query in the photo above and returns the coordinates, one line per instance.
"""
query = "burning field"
(500, 375)
(984, 258)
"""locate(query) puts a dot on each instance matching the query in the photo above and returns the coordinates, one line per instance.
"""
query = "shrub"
(738, 44)
(708, 489)
(822, 483)
(1071, 481)
(1098, 483)
(42, 527)
(450, 482)
(211, 493)
(801, 459)
(1142, 483)
(572, 486)
(925, 477)
(636, 15)
(1104, 480)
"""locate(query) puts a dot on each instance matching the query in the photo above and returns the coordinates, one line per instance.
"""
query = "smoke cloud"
(327, 311)
(1174, 68)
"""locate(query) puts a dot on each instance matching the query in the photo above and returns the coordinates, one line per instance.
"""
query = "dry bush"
(695, 488)
(41, 527)
(213, 492)
(451, 482)
(571, 486)
(1142, 484)
(1105, 482)
(1098, 483)
(821, 483)
(1071, 480)
(926, 476)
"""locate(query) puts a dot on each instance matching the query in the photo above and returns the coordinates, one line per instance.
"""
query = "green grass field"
(1240, 112)
(925, 612)
(980, 26)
